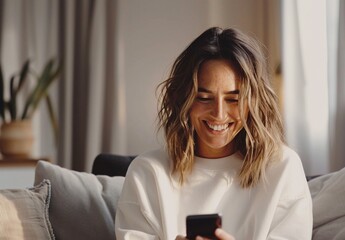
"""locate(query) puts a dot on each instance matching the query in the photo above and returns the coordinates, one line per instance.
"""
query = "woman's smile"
(218, 127)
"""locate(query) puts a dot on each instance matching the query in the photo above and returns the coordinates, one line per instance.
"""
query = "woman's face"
(215, 113)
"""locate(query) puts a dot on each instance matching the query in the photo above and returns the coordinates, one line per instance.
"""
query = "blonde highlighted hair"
(262, 136)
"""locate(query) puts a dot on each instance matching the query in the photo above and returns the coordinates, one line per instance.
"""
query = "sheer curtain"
(81, 33)
(312, 56)
(337, 97)
(87, 47)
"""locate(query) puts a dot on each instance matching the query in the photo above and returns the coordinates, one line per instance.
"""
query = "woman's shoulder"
(289, 152)
(290, 158)
(153, 160)
(287, 165)
(289, 171)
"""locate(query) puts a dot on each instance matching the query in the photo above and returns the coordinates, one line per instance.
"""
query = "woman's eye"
(232, 100)
(204, 99)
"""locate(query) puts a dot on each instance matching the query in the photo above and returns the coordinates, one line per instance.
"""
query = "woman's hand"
(220, 234)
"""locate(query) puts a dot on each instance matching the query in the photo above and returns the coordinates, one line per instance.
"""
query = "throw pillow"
(328, 194)
(82, 204)
(24, 213)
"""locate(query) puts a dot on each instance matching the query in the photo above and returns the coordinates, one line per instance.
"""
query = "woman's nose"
(219, 111)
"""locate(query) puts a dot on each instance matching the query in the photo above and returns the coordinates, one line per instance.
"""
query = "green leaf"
(12, 104)
(46, 78)
(23, 73)
(53, 119)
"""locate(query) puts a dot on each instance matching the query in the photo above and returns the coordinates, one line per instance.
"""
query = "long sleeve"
(135, 215)
(293, 217)
(131, 223)
(292, 220)
(140, 210)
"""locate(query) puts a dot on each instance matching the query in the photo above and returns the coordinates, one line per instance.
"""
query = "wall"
(150, 36)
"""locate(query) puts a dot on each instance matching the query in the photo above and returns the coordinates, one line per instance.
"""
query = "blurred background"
(114, 53)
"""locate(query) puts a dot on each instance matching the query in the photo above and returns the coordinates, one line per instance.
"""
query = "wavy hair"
(262, 135)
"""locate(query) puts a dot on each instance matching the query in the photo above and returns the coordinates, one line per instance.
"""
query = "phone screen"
(203, 225)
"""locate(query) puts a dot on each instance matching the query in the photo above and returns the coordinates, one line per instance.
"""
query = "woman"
(225, 151)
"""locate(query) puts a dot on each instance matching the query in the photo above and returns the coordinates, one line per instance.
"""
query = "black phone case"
(202, 225)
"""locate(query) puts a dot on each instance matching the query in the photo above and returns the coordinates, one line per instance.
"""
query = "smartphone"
(203, 225)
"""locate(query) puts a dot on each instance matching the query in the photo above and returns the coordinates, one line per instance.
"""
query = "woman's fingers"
(201, 238)
(221, 234)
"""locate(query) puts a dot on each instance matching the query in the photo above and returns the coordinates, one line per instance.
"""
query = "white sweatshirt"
(153, 205)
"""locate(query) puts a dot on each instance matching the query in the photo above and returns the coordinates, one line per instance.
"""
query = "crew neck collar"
(233, 161)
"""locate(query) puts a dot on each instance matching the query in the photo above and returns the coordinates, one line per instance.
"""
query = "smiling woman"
(225, 152)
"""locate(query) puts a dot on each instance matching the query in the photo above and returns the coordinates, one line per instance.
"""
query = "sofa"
(66, 204)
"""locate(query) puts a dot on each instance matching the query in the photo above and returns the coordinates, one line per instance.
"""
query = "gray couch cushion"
(328, 194)
(82, 205)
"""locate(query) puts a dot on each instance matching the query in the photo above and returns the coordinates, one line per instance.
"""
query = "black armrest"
(111, 164)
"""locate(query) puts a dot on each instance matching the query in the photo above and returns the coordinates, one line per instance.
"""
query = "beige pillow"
(24, 213)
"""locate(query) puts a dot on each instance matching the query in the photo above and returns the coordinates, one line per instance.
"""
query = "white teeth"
(218, 127)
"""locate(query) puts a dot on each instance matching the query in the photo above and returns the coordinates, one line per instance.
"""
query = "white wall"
(151, 34)
(17, 177)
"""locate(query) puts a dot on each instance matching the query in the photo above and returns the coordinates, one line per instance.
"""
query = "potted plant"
(16, 134)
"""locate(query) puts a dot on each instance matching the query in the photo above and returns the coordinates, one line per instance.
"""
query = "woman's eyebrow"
(200, 89)
(204, 90)
(233, 92)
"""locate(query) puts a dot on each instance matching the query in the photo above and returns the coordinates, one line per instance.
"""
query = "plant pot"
(16, 139)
